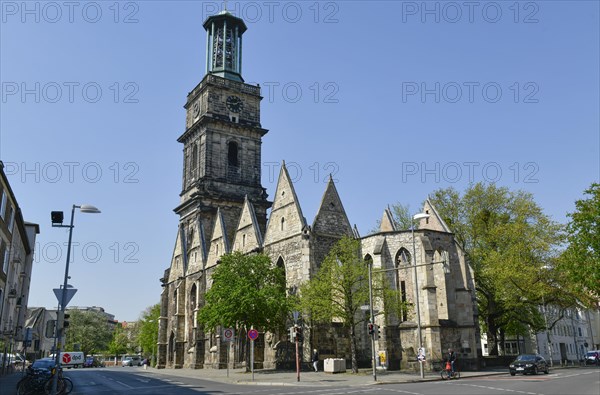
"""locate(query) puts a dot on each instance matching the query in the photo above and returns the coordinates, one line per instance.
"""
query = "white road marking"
(499, 389)
(123, 384)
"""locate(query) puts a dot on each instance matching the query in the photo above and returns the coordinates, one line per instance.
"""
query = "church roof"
(331, 217)
(286, 217)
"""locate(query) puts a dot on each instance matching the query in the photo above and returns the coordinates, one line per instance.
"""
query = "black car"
(43, 364)
(591, 357)
(528, 363)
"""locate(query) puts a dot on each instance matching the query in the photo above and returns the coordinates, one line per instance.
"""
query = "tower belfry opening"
(224, 45)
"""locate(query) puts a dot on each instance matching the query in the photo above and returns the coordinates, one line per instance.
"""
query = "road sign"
(228, 334)
(70, 292)
(253, 334)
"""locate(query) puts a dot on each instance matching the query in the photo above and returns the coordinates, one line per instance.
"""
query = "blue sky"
(396, 99)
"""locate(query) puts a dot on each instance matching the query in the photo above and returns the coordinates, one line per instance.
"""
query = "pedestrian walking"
(315, 359)
(145, 363)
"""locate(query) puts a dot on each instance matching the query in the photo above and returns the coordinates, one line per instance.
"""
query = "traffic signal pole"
(297, 354)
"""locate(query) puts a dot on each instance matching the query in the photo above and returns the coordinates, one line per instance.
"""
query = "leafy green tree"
(581, 259)
(247, 292)
(119, 343)
(148, 330)
(89, 329)
(511, 246)
(340, 287)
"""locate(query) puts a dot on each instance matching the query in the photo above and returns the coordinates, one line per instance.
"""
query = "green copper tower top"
(224, 45)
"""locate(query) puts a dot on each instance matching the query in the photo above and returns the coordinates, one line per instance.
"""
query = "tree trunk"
(501, 343)
(353, 349)
(492, 337)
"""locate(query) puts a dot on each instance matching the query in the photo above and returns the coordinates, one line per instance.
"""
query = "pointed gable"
(387, 222)
(435, 221)
(331, 218)
(219, 244)
(176, 269)
(286, 217)
(196, 246)
(247, 236)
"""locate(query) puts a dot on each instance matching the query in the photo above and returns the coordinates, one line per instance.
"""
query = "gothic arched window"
(194, 163)
(402, 257)
(193, 297)
(232, 154)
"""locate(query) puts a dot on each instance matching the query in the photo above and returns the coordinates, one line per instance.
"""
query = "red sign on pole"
(253, 334)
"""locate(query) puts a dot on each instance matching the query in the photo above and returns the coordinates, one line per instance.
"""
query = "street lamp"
(417, 217)
(57, 219)
(372, 318)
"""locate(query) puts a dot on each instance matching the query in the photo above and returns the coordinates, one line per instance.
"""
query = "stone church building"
(223, 208)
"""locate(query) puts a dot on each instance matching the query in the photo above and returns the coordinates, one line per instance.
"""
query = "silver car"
(131, 361)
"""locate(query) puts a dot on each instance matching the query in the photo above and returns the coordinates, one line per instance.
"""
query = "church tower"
(221, 183)
(222, 139)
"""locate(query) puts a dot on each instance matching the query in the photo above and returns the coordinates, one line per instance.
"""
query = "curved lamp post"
(417, 217)
(57, 218)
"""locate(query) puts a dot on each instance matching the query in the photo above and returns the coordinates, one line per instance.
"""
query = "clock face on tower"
(196, 109)
(234, 104)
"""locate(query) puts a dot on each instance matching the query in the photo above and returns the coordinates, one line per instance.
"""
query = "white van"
(15, 360)
(71, 359)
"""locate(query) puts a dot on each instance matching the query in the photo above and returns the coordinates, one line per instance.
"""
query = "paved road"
(137, 381)
(584, 381)
(559, 382)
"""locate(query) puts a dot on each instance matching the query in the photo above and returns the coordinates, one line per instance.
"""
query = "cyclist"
(451, 357)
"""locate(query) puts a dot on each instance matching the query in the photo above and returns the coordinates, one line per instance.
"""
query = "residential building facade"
(17, 241)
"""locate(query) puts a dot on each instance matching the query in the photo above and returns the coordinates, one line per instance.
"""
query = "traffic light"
(57, 217)
(292, 334)
(299, 335)
(62, 319)
(50, 326)
(371, 328)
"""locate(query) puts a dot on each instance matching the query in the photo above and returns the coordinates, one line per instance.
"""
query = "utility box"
(334, 365)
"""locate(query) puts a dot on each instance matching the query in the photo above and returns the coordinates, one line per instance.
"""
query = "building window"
(402, 257)
(403, 296)
(3, 205)
(175, 300)
(243, 240)
(232, 154)
(10, 217)
(282, 224)
(193, 297)
(194, 163)
(3, 255)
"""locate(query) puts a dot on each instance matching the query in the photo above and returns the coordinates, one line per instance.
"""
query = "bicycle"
(40, 382)
(448, 374)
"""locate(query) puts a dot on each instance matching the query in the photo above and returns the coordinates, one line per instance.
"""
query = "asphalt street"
(583, 381)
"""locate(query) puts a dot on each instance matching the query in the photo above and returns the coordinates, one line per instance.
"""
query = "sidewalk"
(309, 378)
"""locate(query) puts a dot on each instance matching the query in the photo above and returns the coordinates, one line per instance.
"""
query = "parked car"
(131, 361)
(528, 363)
(93, 362)
(43, 364)
(591, 357)
(15, 360)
